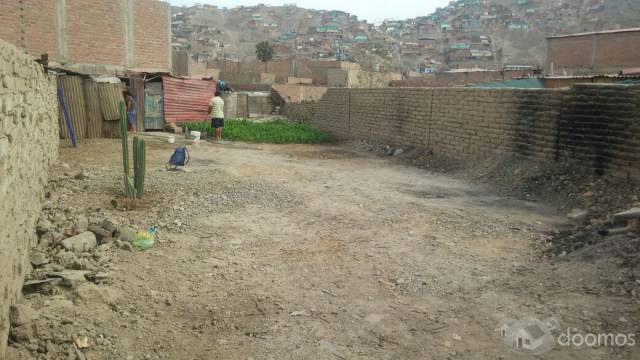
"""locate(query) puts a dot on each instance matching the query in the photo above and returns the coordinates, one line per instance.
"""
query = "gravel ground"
(305, 252)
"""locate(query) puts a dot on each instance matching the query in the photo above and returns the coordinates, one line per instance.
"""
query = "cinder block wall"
(28, 145)
(594, 126)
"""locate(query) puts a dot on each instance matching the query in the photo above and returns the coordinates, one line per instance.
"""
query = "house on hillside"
(517, 24)
(427, 43)
(361, 38)
(289, 35)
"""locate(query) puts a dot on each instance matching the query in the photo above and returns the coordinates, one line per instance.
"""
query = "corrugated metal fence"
(92, 106)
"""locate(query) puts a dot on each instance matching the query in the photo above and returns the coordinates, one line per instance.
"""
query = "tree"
(264, 52)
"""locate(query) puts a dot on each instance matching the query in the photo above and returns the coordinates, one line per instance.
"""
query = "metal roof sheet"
(186, 99)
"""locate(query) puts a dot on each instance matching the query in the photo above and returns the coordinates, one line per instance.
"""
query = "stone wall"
(593, 125)
(28, 145)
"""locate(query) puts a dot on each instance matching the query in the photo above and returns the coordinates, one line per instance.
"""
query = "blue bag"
(180, 157)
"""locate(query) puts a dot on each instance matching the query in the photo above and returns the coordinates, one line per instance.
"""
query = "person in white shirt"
(216, 112)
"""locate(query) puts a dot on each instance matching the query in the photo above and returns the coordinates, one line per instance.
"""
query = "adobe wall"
(596, 126)
(28, 145)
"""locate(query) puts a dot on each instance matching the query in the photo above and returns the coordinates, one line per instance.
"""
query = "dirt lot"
(323, 252)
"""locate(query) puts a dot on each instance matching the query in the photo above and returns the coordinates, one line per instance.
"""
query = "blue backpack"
(180, 157)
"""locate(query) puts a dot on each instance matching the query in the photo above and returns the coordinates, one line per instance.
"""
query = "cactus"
(139, 164)
(133, 189)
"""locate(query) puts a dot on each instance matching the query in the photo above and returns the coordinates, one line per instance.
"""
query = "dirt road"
(321, 252)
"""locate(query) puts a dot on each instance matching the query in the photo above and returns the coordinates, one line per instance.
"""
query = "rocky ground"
(312, 252)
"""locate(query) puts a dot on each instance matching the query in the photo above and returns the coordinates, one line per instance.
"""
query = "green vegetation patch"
(275, 131)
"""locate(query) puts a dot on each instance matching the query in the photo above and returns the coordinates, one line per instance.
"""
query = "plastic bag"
(144, 239)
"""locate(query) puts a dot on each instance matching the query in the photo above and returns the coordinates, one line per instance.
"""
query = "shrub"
(276, 131)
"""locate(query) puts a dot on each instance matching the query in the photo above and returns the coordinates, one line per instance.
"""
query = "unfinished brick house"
(594, 53)
(91, 36)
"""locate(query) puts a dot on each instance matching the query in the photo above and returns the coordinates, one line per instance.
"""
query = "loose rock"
(21, 315)
(80, 243)
(630, 214)
(38, 259)
(126, 234)
(578, 216)
(102, 235)
(81, 225)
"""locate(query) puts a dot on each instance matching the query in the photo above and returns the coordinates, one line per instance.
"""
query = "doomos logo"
(528, 336)
(535, 337)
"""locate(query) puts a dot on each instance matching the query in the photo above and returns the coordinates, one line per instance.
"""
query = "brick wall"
(595, 126)
(95, 36)
(92, 32)
(28, 145)
(151, 35)
(596, 54)
(30, 24)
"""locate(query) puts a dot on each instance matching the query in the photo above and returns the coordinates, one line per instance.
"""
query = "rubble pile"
(597, 235)
(379, 149)
(72, 264)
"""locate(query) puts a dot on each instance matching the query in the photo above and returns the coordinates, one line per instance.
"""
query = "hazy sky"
(372, 10)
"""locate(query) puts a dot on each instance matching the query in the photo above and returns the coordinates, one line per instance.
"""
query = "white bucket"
(195, 135)
(172, 139)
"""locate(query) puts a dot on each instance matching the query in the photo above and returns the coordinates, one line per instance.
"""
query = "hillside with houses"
(490, 34)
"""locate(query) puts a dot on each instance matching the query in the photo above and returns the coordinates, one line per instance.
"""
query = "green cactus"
(133, 189)
(139, 164)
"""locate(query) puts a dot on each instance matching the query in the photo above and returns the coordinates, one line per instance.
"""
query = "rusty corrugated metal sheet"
(73, 90)
(186, 100)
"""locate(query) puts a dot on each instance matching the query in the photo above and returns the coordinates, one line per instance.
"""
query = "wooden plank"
(136, 86)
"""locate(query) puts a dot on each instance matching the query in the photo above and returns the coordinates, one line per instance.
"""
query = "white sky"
(371, 10)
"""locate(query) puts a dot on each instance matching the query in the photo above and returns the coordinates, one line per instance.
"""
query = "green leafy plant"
(133, 188)
(264, 52)
(276, 131)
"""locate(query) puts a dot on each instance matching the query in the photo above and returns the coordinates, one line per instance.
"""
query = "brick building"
(604, 52)
(93, 36)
